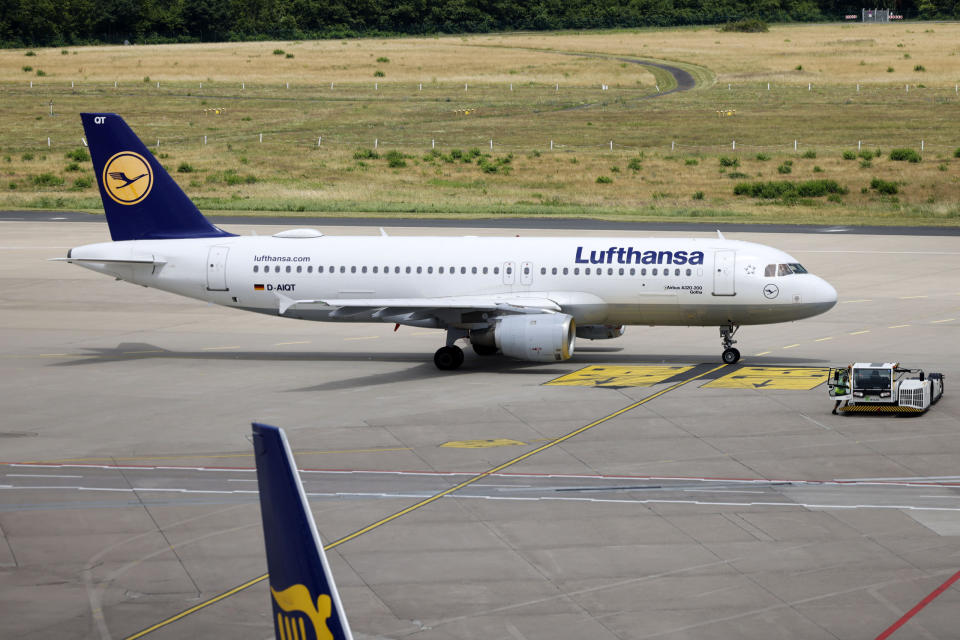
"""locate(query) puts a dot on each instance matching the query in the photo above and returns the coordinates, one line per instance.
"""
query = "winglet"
(720, 235)
(284, 303)
(302, 589)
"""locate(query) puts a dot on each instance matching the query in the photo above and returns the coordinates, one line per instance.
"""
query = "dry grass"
(291, 173)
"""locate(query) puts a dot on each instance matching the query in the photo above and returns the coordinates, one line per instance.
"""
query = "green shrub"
(278, 52)
(604, 179)
(810, 154)
(736, 175)
(727, 161)
(395, 159)
(799, 67)
(383, 59)
(232, 178)
(27, 157)
(378, 74)
(77, 155)
(904, 155)
(365, 154)
(698, 195)
(956, 152)
(635, 164)
(849, 155)
(865, 164)
(789, 190)
(866, 154)
(919, 67)
(746, 26)
(83, 182)
(30, 54)
(185, 167)
(942, 166)
(27, 68)
(288, 56)
(12, 185)
(691, 162)
(47, 180)
(73, 166)
(762, 157)
(784, 168)
(41, 73)
(884, 187)
(834, 197)
(889, 69)
(817, 169)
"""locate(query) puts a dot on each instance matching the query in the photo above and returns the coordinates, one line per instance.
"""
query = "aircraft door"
(724, 261)
(526, 273)
(509, 272)
(217, 269)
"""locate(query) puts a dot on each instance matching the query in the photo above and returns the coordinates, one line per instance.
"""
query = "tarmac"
(639, 490)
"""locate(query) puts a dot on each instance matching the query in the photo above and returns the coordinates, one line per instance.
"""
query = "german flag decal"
(258, 287)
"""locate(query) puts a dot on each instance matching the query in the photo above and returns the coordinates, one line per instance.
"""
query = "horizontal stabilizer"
(153, 261)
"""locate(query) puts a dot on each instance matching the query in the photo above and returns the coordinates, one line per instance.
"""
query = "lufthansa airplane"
(527, 298)
(306, 605)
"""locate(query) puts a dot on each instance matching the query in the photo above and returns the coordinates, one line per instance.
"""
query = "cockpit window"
(772, 270)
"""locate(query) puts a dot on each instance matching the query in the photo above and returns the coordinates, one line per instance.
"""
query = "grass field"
(396, 138)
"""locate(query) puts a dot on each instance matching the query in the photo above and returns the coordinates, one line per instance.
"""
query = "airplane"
(306, 604)
(526, 298)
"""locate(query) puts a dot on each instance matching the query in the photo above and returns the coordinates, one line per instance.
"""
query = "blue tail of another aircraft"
(306, 605)
(140, 199)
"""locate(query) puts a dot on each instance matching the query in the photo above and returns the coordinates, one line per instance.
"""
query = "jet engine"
(600, 331)
(540, 337)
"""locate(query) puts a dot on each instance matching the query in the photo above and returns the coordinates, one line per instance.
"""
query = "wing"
(119, 175)
(386, 307)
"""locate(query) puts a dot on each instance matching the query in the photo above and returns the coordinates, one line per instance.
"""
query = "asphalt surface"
(731, 505)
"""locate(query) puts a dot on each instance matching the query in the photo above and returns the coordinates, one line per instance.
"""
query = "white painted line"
(38, 475)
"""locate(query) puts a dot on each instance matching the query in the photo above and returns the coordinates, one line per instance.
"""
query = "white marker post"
(204, 139)
(433, 143)
(48, 141)
(491, 144)
(672, 142)
(421, 86)
(376, 143)
(243, 85)
(551, 145)
(611, 145)
(319, 140)
(794, 145)
(734, 145)
(858, 144)
(921, 145)
(261, 138)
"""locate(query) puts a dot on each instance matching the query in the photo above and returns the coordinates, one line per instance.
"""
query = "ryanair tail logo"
(296, 604)
(127, 177)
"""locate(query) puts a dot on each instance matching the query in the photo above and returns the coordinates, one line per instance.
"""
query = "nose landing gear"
(730, 355)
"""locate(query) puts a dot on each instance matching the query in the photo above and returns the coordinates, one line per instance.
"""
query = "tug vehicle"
(883, 387)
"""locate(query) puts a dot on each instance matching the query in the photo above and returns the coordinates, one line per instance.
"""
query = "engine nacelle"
(540, 337)
(600, 331)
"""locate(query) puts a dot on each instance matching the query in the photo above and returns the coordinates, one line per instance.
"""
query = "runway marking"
(920, 605)
(824, 339)
(898, 326)
(363, 338)
(209, 455)
(762, 353)
(236, 346)
(771, 378)
(281, 344)
(857, 333)
(610, 376)
(431, 499)
(855, 301)
(482, 444)
(946, 320)
(912, 297)
(791, 346)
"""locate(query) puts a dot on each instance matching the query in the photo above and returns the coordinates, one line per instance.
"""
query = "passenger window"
(770, 271)
(485, 271)
(419, 269)
(643, 272)
(565, 271)
(653, 272)
(463, 269)
(408, 269)
(440, 270)
(276, 269)
(256, 268)
(299, 269)
(310, 269)
(609, 271)
(509, 270)
(375, 268)
(553, 271)
(633, 271)
(496, 270)
(676, 272)
(473, 270)
(621, 270)
(576, 271)
(429, 269)
(363, 269)
(586, 271)
(688, 272)
(543, 271)
(343, 269)
(320, 269)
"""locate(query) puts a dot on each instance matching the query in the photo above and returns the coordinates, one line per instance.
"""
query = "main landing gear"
(450, 357)
(730, 355)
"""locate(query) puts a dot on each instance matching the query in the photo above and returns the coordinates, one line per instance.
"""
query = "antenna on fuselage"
(720, 235)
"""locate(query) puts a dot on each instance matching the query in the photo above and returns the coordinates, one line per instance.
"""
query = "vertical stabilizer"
(306, 604)
(140, 199)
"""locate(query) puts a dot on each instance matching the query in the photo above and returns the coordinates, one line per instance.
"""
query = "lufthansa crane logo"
(771, 291)
(127, 177)
(296, 605)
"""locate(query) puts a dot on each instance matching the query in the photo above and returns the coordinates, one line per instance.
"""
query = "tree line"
(25, 23)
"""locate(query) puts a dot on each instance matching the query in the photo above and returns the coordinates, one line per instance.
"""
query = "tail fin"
(306, 604)
(141, 200)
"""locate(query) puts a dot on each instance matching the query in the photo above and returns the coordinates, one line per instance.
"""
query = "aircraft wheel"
(731, 356)
(448, 358)
(484, 349)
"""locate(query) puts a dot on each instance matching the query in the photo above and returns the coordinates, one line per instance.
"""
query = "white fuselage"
(614, 281)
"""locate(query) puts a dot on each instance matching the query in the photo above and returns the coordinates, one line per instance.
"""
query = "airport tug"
(871, 387)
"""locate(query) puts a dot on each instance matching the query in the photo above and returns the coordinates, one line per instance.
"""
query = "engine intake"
(541, 337)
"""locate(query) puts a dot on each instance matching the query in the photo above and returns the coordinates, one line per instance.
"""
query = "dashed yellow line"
(855, 301)
(946, 320)
(281, 344)
(236, 346)
(762, 353)
(912, 297)
(898, 326)
(857, 333)
(431, 499)
(363, 338)
(824, 339)
(791, 346)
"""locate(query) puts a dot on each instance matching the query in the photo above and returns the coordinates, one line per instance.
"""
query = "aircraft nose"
(825, 294)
